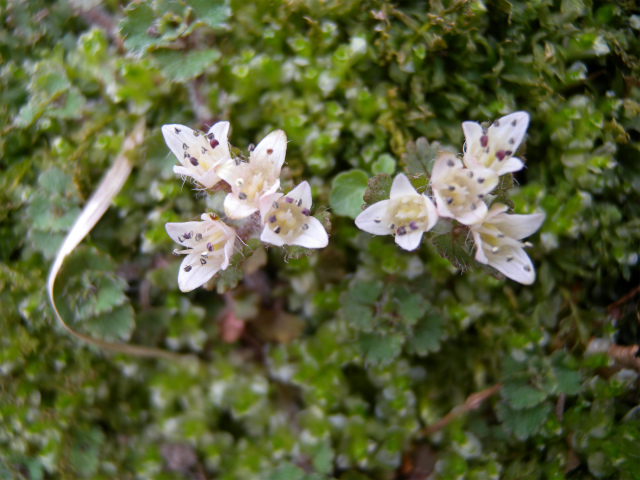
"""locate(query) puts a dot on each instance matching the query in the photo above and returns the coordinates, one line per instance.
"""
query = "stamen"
(509, 259)
(473, 206)
(305, 226)
(251, 147)
(306, 212)
(277, 230)
(481, 180)
(242, 196)
(210, 246)
(450, 163)
(449, 200)
(509, 153)
(198, 237)
(413, 225)
(177, 130)
(272, 219)
(527, 268)
(377, 219)
(500, 235)
(187, 268)
(392, 226)
(500, 154)
(187, 235)
(196, 133)
(213, 216)
(486, 150)
(494, 250)
(185, 146)
(514, 123)
(470, 174)
(512, 141)
(269, 151)
(274, 205)
(194, 161)
(204, 150)
(299, 203)
(288, 199)
(484, 140)
(451, 188)
(237, 161)
(402, 231)
(176, 251)
(496, 123)
(239, 182)
(203, 261)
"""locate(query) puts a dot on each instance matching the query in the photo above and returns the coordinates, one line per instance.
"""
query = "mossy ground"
(345, 356)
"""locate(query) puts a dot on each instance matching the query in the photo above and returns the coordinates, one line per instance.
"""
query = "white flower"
(494, 147)
(209, 247)
(287, 219)
(407, 215)
(498, 243)
(259, 177)
(200, 155)
(459, 191)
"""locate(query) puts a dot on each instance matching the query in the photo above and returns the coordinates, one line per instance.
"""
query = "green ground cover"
(335, 363)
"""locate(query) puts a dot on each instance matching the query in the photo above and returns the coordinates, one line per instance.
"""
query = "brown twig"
(624, 299)
(625, 356)
(472, 402)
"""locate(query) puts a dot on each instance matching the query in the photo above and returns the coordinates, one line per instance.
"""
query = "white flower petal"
(301, 192)
(483, 181)
(266, 203)
(472, 134)
(197, 273)
(477, 239)
(375, 219)
(271, 237)
(507, 132)
(473, 215)
(273, 149)
(514, 263)
(220, 132)
(410, 240)
(177, 232)
(511, 164)
(314, 237)
(237, 209)
(431, 211)
(518, 226)
(444, 166)
(401, 186)
(442, 206)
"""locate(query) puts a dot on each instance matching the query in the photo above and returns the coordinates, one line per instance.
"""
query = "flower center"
(287, 217)
(252, 185)
(408, 214)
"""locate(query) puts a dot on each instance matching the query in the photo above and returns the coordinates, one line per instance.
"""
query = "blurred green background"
(332, 365)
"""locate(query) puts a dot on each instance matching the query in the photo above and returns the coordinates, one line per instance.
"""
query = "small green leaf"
(117, 324)
(427, 335)
(347, 190)
(419, 157)
(380, 349)
(378, 188)
(138, 27)
(85, 452)
(287, 471)
(524, 422)
(182, 66)
(384, 164)
(521, 395)
(212, 12)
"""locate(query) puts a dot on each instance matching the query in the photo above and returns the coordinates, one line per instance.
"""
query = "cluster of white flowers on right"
(460, 189)
(253, 185)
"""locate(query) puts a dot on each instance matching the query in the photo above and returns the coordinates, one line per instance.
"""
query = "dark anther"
(470, 174)
(242, 196)
(413, 225)
(473, 206)
(288, 199)
(198, 237)
(484, 140)
(178, 130)
(203, 261)
(508, 153)
(196, 133)
(213, 143)
(305, 226)
(500, 154)
(496, 123)
(274, 204)
(402, 231)
(481, 180)
(194, 161)
(272, 219)
(185, 146)
(187, 235)
(210, 246)
(204, 150)
(451, 188)
(392, 226)
(306, 212)
(269, 151)
(299, 202)
(450, 163)
(277, 230)
(509, 259)
(514, 123)
(512, 141)
(527, 268)
(450, 200)
(187, 268)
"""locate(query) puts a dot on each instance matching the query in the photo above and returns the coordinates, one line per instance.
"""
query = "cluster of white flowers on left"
(460, 188)
(253, 185)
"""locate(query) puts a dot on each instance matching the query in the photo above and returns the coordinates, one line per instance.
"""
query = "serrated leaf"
(520, 395)
(347, 189)
(427, 334)
(182, 66)
(212, 12)
(138, 27)
(378, 188)
(419, 156)
(410, 306)
(525, 422)
(365, 292)
(357, 314)
(380, 349)
(117, 324)
(230, 278)
(568, 378)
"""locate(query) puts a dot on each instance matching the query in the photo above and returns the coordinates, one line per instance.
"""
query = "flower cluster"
(253, 194)
(461, 189)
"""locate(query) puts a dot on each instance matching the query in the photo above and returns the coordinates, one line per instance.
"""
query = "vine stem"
(472, 402)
